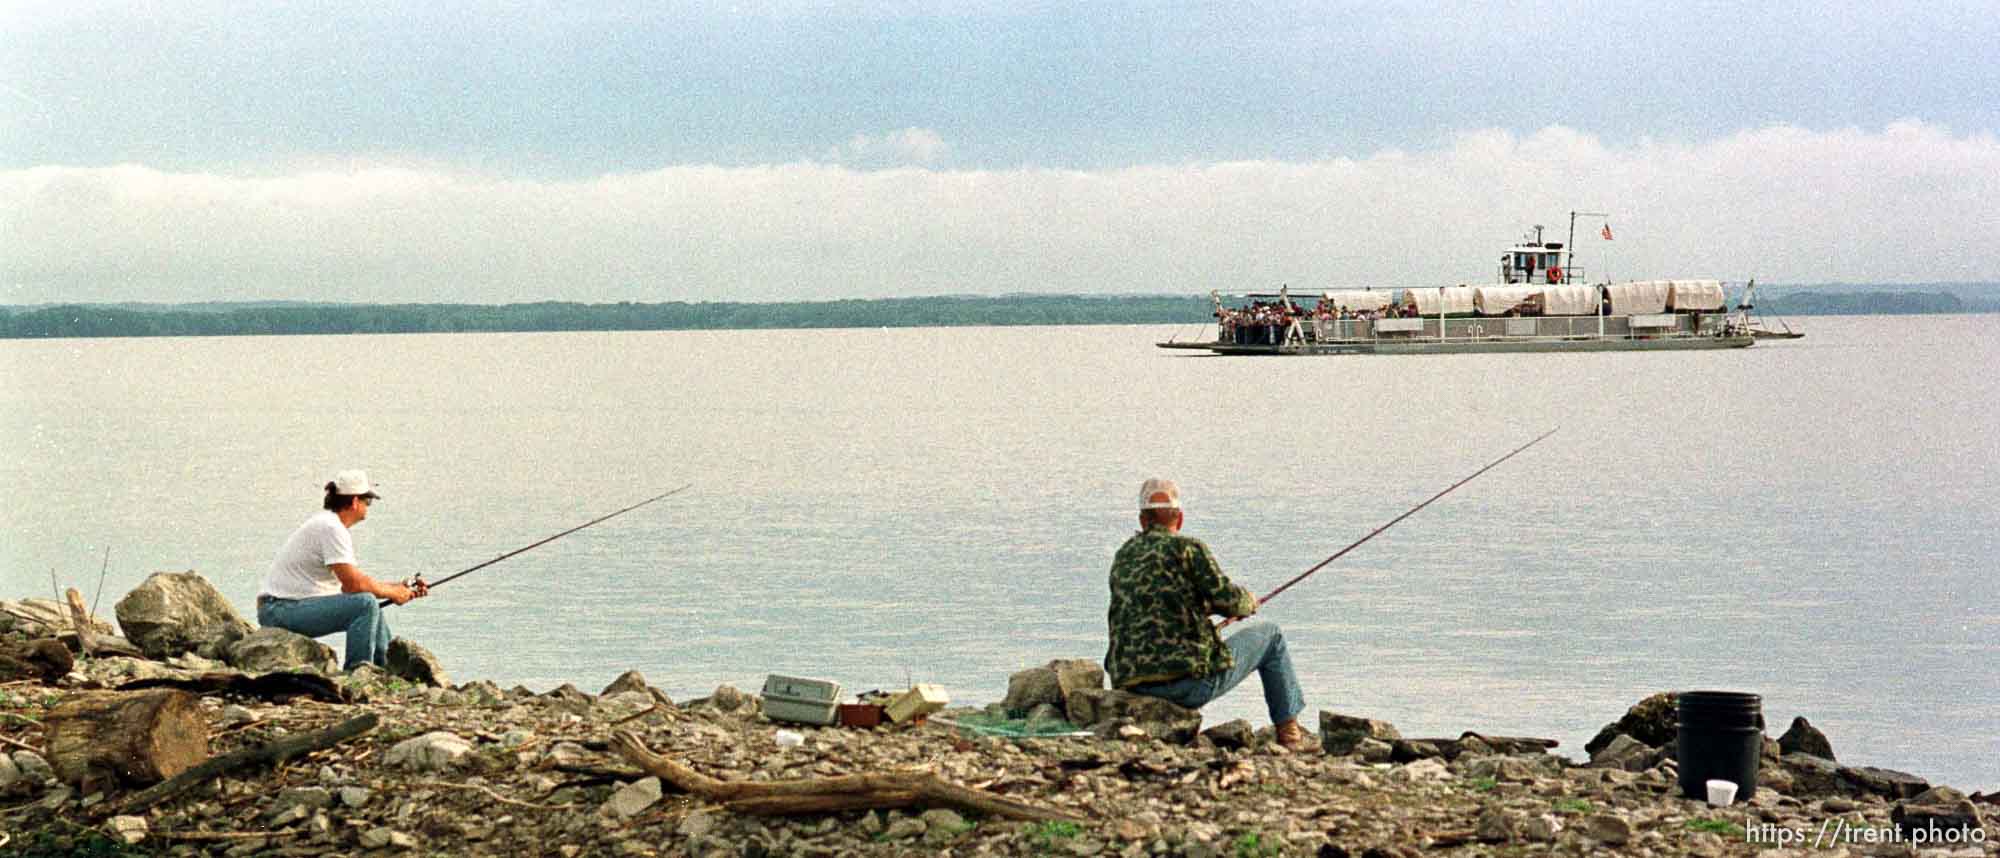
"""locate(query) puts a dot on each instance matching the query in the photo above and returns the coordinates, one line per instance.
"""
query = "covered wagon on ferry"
(1642, 314)
(1542, 303)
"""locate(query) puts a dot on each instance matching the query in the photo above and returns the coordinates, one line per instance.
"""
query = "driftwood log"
(79, 616)
(272, 753)
(1500, 744)
(135, 738)
(274, 687)
(44, 659)
(102, 645)
(827, 795)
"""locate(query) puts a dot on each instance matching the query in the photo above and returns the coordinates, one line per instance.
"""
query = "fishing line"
(1392, 523)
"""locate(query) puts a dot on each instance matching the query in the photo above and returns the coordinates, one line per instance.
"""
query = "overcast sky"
(491, 152)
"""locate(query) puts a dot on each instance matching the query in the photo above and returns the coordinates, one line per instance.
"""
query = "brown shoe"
(1294, 737)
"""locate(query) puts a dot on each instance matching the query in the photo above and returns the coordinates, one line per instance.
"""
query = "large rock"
(1804, 738)
(1342, 734)
(416, 664)
(1625, 754)
(43, 618)
(1887, 783)
(1027, 689)
(1813, 776)
(1410, 750)
(1077, 674)
(172, 613)
(1234, 735)
(1943, 815)
(436, 751)
(129, 830)
(271, 648)
(1051, 684)
(1652, 721)
(633, 798)
(728, 698)
(1160, 719)
(630, 680)
(1608, 828)
(1373, 751)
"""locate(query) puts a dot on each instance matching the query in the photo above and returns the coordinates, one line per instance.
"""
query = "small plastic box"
(800, 700)
(922, 699)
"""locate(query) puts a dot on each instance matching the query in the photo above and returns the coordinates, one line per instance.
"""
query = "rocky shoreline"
(474, 769)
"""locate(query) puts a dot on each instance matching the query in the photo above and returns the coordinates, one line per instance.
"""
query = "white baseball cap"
(1157, 493)
(354, 482)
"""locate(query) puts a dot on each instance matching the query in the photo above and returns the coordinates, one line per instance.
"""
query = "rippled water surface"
(1814, 520)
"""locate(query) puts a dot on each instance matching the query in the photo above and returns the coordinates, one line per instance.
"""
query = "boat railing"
(1515, 327)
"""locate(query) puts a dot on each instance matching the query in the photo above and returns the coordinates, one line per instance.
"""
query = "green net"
(983, 724)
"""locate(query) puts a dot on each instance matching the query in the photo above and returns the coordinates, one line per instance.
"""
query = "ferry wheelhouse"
(1540, 303)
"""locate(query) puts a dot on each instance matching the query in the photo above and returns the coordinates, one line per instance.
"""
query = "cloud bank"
(909, 146)
(1911, 202)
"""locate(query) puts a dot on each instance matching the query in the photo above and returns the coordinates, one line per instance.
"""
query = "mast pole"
(1570, 249)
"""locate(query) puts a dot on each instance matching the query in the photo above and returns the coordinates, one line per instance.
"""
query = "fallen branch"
(1452, 839)
(274, 753)
(825, 795)
(497, 797)
(217, 836)
(637, 715)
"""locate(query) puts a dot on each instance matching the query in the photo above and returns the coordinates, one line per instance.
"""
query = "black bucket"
(1721, 737)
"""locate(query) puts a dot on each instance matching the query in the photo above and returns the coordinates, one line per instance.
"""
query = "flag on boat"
(1607, 232)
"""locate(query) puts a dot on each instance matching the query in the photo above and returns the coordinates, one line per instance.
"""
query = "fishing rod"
(463, 572)
(1392, 523)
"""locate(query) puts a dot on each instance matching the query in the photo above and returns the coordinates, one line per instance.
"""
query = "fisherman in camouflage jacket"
(1164, 587)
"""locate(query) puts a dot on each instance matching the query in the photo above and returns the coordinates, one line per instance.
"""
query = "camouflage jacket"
(1164, 586)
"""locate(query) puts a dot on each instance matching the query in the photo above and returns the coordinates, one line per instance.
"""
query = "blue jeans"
(357, 614)
(1258, 646)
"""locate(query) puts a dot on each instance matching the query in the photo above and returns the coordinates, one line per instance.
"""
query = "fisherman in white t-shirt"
(314, 587)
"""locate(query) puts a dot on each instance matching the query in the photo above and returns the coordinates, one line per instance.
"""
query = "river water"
(1814, 521)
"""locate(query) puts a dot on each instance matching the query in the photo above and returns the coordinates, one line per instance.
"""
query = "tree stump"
(137, 738)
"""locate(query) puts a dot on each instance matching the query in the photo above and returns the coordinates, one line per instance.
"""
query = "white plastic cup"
(1721, 793)
(789, 739)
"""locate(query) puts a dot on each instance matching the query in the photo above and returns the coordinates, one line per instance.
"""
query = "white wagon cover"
(1569, 300)
(1696, 295)
(1456, 300)
(1497, 300)
(1638, 297)
(1360, 299)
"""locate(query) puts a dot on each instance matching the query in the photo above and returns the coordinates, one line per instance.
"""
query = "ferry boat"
(1539, 304)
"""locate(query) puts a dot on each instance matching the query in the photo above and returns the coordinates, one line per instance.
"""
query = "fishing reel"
(417, 584)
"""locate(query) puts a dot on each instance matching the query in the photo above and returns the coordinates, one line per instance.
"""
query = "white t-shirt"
(300, 569)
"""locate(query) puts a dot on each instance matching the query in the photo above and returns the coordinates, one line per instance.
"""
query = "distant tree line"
(205, 320)
(1869, 303)
(97, 320)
